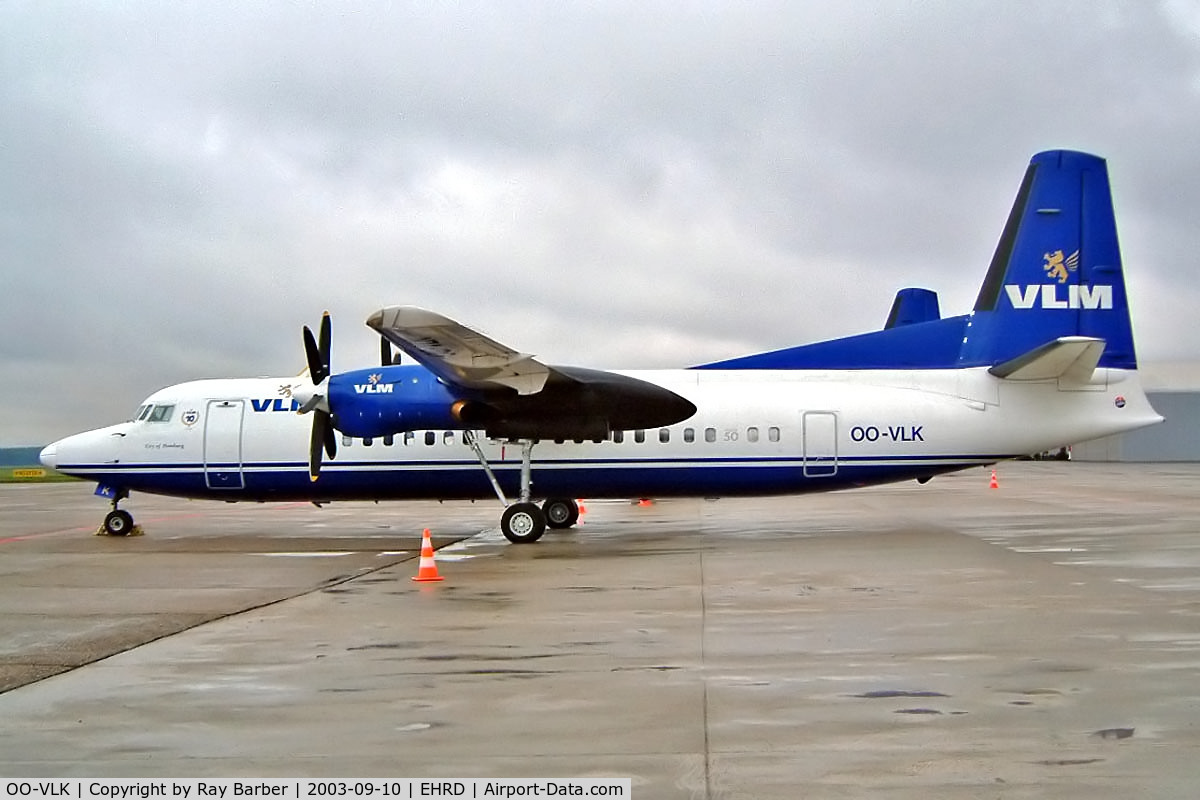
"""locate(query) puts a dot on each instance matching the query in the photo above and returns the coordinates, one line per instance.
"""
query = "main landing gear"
(524, 522)
(118, 522)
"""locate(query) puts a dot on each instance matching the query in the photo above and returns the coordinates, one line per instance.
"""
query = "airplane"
(1045, 358)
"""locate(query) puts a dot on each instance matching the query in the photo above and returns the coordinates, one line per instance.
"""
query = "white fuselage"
(755, 432)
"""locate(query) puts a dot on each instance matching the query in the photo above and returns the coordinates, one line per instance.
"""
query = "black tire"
(118, 523)
(560, 512)
(523, 523)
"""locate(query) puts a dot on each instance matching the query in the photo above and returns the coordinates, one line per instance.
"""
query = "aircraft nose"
(49, 455)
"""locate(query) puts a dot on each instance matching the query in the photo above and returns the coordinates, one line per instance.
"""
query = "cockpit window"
(161, 414)
(142, 412)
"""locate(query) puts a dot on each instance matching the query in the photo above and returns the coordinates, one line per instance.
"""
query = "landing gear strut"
(118, 522)
(524, 522)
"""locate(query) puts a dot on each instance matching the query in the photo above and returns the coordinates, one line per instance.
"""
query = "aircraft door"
(223, 444)
(820, 444)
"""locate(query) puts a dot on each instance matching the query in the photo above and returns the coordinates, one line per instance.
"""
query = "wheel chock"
(136, 530)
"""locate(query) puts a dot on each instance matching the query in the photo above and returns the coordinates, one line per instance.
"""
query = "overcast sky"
(184, 185)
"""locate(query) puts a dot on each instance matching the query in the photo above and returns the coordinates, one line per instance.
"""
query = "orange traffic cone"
(645, 502)
(427, 569)
(995, 484)
(582, 510)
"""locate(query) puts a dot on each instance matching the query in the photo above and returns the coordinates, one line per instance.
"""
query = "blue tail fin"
(1057, 269)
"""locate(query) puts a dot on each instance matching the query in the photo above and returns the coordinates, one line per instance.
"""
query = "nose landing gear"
(118, 522)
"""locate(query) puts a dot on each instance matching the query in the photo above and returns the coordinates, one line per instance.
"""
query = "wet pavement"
(1037, 640)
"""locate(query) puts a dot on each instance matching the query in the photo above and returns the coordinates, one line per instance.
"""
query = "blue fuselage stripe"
(463, 479)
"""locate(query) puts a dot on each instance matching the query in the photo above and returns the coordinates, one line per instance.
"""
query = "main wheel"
(118, 522)
(560, 512)
(523, 523)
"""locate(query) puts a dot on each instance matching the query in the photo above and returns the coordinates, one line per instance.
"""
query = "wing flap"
(456, 353)
(1070, 359)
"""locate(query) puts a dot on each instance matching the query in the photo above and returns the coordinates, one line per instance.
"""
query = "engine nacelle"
(574, 404)
(376, 402)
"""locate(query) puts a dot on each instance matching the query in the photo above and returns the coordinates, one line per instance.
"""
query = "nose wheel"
(118, 522)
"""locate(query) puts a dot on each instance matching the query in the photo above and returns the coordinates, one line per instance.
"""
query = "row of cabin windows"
(710, 435)
(430, 438)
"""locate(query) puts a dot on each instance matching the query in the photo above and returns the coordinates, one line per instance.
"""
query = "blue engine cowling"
(383, 400)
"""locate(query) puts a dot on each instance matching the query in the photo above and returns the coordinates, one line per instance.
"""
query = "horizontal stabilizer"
(1071, 359)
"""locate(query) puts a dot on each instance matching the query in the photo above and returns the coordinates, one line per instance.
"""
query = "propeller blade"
(313, 356)
(330, 438)
(324, 342)
(317, 351)
(319, 437)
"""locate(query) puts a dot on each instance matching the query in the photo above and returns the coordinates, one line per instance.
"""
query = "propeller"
(316, 400)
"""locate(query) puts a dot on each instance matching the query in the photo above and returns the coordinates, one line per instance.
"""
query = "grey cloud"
(183, 186)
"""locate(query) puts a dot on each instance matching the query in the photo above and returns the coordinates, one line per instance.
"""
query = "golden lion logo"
(1058, 266)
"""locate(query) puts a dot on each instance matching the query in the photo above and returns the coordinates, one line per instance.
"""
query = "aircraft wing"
(512, 394)
(457, 354)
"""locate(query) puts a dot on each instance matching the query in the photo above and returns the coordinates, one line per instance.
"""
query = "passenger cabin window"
(639, 436)
(161, 414)
(710, 435)
(368, 441)
(689, 435)
(618, 437)
(347, 440)
(430, 438)
(409, 438)
(664, 435)
(773, 434)
(389, 440)
(448, 437)
(752, 434)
